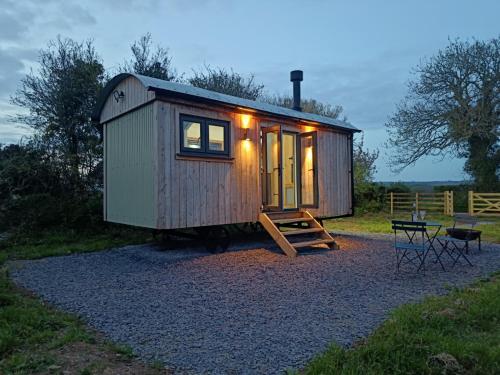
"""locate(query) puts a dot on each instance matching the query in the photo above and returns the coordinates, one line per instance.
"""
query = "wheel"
(216, 239)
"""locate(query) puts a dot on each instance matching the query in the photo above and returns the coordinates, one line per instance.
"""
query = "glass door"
(308, 170)
(289, 175)
(271, 169)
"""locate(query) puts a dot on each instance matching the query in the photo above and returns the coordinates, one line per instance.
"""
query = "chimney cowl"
(296, 76)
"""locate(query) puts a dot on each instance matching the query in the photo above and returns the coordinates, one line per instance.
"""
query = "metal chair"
(460, 251)
(456, 242)
(412, 246)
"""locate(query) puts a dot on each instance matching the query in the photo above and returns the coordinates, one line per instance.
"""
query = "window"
(216, 137)
(204, 137)
(192, 134)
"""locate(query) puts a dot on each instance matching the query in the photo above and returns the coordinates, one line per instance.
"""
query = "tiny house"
(177, 156)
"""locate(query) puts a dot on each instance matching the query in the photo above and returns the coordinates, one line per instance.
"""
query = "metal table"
(432, 238)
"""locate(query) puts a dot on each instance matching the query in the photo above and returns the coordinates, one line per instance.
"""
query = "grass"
(45, 244)
(380, 223)
(35, 338)
(453, 334)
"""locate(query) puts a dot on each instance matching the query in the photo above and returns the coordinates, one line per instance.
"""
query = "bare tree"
(453, 107)
(149, 61)
(307, 105)
(227, 82)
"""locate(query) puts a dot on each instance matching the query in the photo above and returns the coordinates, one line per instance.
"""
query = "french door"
(271, 169)
(289, 173)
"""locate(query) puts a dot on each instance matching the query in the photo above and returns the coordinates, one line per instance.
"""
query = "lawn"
(35, 338)
(381, 223)
(454, 334)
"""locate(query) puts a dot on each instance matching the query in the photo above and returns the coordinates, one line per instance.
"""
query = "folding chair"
(459, 250)
(456, 242)
(410, 247)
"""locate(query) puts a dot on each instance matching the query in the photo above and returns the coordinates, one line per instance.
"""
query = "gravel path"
(241, 312)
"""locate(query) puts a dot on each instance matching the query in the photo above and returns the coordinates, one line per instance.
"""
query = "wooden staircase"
(296, 230)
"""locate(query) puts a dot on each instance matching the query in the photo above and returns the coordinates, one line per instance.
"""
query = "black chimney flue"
(296, 77)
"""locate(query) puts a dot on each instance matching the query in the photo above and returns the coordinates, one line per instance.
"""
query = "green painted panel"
(129, 159)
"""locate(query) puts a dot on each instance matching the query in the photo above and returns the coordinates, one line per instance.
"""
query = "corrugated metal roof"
(196, 92)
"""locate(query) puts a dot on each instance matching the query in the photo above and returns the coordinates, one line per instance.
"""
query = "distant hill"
(424, 185)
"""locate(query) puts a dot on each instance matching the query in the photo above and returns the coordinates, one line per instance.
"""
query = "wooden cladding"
(163, 188)
(200, 192)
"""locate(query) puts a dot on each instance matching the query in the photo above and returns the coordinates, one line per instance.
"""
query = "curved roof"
(196, 93)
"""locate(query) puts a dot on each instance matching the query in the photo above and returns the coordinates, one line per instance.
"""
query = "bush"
(460, 195)
(34, 196)
(369, 197)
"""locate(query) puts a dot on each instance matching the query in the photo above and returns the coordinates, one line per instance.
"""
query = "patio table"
(432, 238)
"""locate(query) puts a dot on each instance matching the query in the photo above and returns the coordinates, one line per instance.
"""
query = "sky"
(359, 54)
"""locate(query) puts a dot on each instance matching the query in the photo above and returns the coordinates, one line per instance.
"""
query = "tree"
(227, 82)
(364, 163)
(453, 107)
(368, 195)
(59, 98)
(29, 187)
(307, 105)
(148, 62)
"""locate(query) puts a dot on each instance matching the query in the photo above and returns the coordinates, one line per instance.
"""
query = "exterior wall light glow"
(245, 124)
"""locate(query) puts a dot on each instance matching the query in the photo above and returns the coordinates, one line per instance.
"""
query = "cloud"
(10, 133)
(66, 15)
(12, 68)
(18, 19)
(11, 28)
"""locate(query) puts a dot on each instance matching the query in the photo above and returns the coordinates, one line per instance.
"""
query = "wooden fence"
(484, 204)
(433, 202)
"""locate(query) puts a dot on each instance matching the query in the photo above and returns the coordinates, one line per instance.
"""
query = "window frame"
(204, 151)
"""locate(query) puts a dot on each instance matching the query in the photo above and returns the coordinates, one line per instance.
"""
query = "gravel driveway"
(244, 311)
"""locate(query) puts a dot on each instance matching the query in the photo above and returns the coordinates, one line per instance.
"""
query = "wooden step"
(312, 243)
(292, 220)
(302, 231)
(277, 235)
(271, 222)
(285, 215)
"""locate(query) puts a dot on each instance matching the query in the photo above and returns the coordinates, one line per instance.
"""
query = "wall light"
(246, 135)
(118, 95)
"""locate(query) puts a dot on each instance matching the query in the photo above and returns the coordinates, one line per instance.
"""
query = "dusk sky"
(358, 54)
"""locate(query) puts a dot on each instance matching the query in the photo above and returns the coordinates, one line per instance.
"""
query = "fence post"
(451, 207)
(471, 202)
(416, 201)
(392, 202)
(445, 202)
